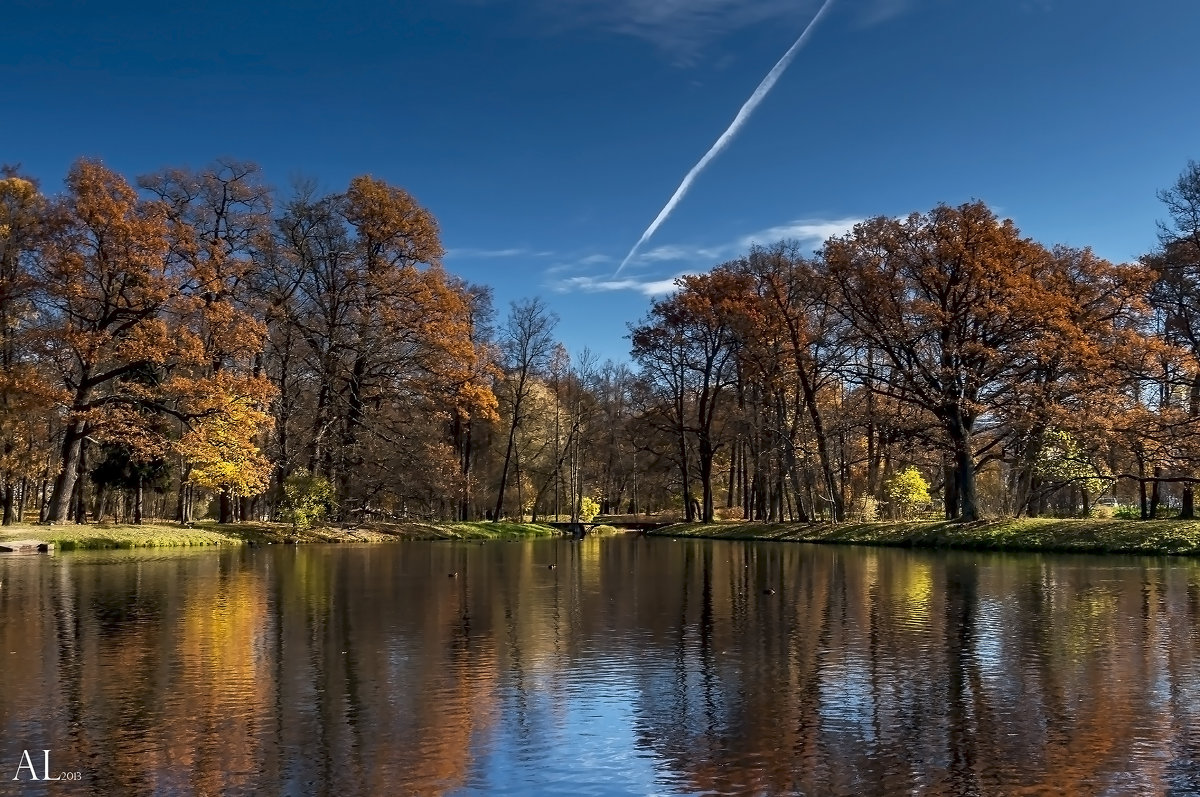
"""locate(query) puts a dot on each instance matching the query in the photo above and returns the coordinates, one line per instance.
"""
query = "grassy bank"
(1025, 534)
(156, 535)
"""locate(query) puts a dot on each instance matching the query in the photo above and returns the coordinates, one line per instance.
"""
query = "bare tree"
(526, 342)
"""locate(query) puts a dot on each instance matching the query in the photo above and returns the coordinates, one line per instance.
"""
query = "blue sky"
(546, 135)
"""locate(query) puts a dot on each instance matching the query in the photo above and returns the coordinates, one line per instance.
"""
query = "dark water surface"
(633, 667)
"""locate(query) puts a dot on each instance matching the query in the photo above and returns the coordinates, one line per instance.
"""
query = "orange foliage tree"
(103, 284)
(26, 396)
(687, 345)
(955, 301)
(370, 334)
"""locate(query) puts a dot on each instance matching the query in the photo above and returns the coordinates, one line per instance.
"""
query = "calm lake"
(634, 666)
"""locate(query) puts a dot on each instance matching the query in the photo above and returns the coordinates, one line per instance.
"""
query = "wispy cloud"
(684, 29)
(880, 11)
(690, 258)
(649, 287)
(806, 231)
(668, 253)
(468, 251)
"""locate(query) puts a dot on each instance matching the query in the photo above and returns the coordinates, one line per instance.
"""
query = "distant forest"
(194, 343)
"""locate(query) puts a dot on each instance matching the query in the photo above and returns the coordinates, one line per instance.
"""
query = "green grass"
(475, 530)
(103, 535)
(1025, 534)
(93, 536)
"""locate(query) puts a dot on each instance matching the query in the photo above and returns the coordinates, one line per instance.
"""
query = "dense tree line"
(1019, 378)
(194, 340)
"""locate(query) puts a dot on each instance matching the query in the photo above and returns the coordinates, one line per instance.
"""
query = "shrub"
(307, 499)
(867, 508)
(727, 513)
(1128, 512)
(588, 509)
(907, 489)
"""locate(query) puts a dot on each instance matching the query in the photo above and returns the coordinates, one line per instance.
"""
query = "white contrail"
(748, 108)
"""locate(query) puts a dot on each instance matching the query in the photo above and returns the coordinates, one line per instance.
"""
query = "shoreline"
(1058, 535)
(101, 536)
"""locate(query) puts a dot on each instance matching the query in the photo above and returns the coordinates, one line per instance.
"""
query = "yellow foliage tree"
(907, 489)
(221, 444)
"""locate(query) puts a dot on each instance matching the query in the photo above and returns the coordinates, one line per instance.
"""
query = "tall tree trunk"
(706, 461)
(744, 479)
(964, 463)
(831, 482)
(9, 498)
(950, 486)
(59, 505)
(789, 455)
(512, 436)
(182, 504)
(351, 460)
(1027, 481)
(79, 499)
(138, 495)
(733, 451)
(959, 429)
(520, 496)
(462, 438)
(1154, 493)
(689, 509)
(102, 503)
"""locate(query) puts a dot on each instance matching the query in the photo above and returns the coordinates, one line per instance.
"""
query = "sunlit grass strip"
(1026, 534)
(97, 536)
(70, 537)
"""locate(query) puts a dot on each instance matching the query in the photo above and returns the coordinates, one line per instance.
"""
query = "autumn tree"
(25, 394)
(375, 348)
(527, 343)
(686, 345)
(1089, 350)
(480, 316)
(219, 220)
(615, 446)
(953, 300)
(220, 445)
(795, 304)
(907, 489)
(1176, 297)
(103, 283)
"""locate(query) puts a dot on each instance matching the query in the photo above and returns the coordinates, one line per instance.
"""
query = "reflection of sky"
(1093, 680)
(988, 647)
(584, 721)
(846, 703)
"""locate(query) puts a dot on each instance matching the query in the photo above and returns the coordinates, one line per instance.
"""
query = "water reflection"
(632, 667)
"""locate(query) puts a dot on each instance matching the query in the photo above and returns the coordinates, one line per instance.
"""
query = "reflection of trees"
(935, 674)
(351, 670)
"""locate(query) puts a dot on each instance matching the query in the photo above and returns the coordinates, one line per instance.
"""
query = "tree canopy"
(197, 341)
